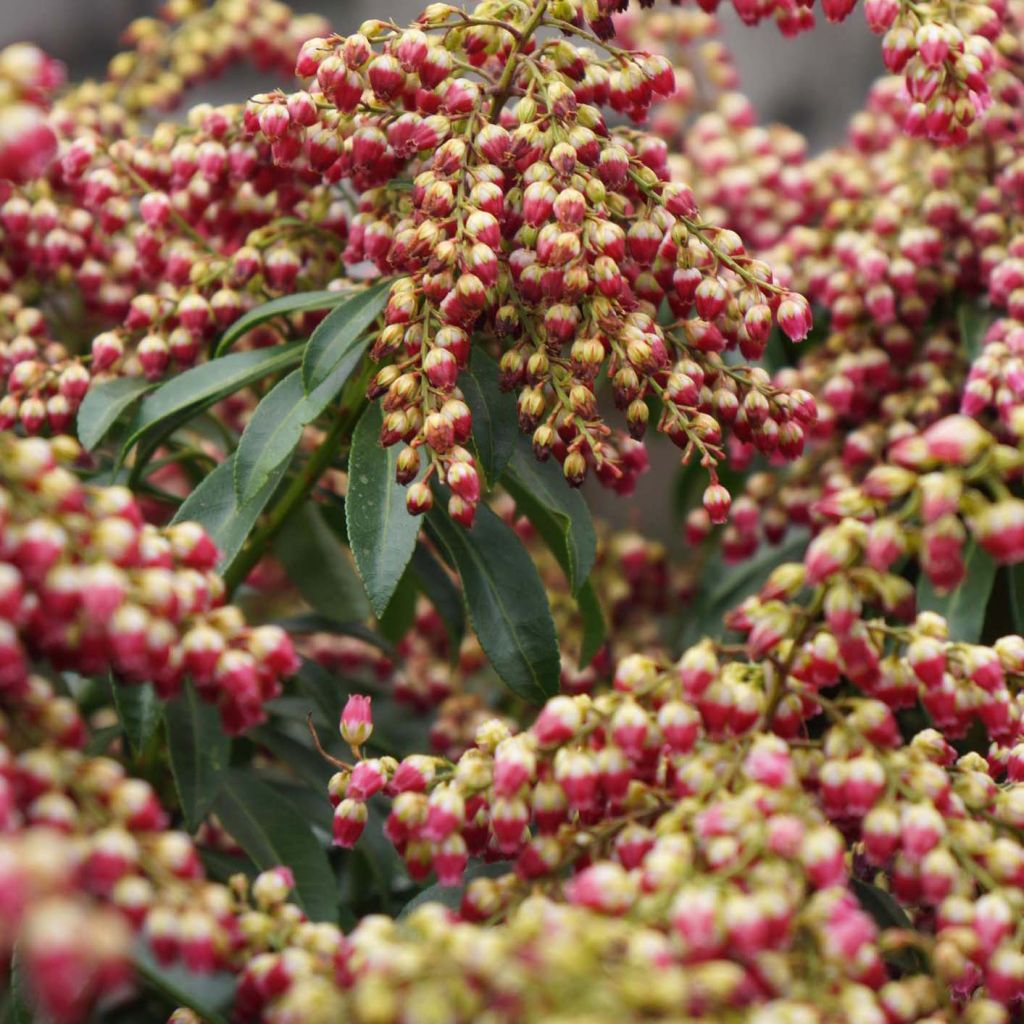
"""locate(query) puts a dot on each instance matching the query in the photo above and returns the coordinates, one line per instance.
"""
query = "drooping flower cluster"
(88, 586)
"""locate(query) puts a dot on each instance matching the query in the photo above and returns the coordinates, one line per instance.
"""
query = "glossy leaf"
(964, 607)
(340, 334)
(450, 896)
(215, 505)
(275, 429)
(495, 422)
(272, 833)
(104, 404)
(183, 396)
(380, 530)
(320, 567)
(19, 1008)
(199, 752)
(506, 601)
(558, 512)
(299, 302)
(400, 613)
(139, 710)
(442, 593)
(973, 321)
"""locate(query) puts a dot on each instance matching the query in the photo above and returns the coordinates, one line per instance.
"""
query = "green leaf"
(450, 896)
(1015, 574)
(495, 422)
(19, 1007)
(964, 607)
(320, 567)
(398, 617)
(215, 505)
(139, 710)
(324, 689)
(209, 995)
(199, 752)
(300, 302)
(273, 834)
(558, 512)
(724, 586)
(103, 405)
(275, 429)
(300, 757)
(183, 396)
(594, 627)
(973, 322)
(506, 601)
(442, 593)
(380, 530)
(340, 332)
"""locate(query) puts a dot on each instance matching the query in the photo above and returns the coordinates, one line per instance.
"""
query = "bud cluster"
(87, 585)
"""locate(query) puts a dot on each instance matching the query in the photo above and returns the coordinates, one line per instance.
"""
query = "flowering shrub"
(323, 697)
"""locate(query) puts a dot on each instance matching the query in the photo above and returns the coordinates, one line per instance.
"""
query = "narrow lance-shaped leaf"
(339, 331)
(380, 530)
(275, 429)
(495, 422)
(272, 833)
(199, 752)
(215, 505)
(139, 710)
(442, 593)
(557, 511)
(319, 566)
(299, 302)
(505, 599)
(964, 607)
(103, 405)
(183, 396)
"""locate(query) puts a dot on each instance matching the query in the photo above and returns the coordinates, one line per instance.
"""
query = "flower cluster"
(87, 585)
(28, 77)
(528, 218)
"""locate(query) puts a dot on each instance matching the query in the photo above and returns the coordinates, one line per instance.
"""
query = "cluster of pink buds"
(87, 585)
(28, 78)
(524, 216)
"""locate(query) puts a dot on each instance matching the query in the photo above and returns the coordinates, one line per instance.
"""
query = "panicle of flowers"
(492, 185)
(87, 585)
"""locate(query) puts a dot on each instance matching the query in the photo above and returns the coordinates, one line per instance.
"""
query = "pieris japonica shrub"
(322, 695)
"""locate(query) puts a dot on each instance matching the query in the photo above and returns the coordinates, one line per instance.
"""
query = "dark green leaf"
(214, 504)
(273, 834)
(300, 302)
(103, 405)
(139, 710)
(558, 512)
(199, 752)
(442, 593)
(19, 1005)
(188, 393)
(340, 332)
(725, 586)
(495, 423)
(450, 896)
(276, 427)
(380, 530)
(209, 995)
(594, 628)
(887, 913)
(973, 322)
(324, 689)
(401, 610)
(221, 866)
(100, 739)
(1015, 575)
(320, 567)
(506, 601)
(964, 607)
(300, 757)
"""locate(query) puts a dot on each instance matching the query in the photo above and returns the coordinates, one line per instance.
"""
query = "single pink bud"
(717, 501)
(356, 723)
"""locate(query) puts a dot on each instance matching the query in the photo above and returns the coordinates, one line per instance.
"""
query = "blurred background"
(812, 83)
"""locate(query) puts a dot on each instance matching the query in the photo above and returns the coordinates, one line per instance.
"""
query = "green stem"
(296, 492)
(504, 86)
